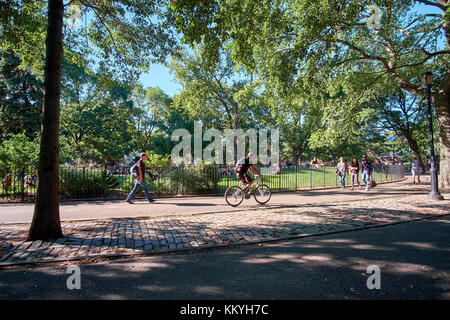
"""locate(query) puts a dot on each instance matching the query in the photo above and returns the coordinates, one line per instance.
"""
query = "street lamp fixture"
(427, 81)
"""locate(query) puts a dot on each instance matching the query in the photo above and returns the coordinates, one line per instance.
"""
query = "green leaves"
(18, 153)
(23, 28)
(21, 98)
(95, 115)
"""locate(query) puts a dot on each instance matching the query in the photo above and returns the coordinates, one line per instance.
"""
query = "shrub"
(190, 180)
(75, 183)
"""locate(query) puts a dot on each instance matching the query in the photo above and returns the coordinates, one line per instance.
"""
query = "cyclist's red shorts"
(245, 179)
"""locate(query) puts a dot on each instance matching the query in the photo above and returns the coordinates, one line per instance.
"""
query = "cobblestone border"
(207, 247)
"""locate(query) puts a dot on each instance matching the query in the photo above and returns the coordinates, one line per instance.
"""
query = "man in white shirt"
(416, 169)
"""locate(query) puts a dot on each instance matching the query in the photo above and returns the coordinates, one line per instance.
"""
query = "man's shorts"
(245, 179)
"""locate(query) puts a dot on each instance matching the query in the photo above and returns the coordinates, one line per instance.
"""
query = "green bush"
(190, 180)
(75, 183)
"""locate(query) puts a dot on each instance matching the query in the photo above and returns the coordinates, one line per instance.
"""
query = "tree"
(82, 93)
(212, 91)
(46, 221)
(23, 31)
(296, 41)
(21, 95)
(176, 117)
(113, 119)
(95, 114)
(403, 114)
(296, 121)
(17, 154)
(150, 109)
(129, 35)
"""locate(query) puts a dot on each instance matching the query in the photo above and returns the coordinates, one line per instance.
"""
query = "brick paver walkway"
(111, 237)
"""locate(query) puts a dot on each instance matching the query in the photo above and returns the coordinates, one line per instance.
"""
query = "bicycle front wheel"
(234, 196)
(262, 194)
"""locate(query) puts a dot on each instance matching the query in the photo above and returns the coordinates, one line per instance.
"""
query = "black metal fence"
(92, 182)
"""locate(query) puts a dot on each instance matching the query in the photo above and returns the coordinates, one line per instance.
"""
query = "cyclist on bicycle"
(244, 165)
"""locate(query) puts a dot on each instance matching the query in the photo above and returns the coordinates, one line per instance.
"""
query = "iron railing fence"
(92, 182)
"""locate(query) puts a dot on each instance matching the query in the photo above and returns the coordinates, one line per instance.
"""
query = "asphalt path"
(92, 210)
(413, 258)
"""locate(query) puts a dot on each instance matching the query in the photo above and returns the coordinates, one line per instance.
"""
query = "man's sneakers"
(131, 202)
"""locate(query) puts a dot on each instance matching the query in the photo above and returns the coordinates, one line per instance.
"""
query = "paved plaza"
(134, 236)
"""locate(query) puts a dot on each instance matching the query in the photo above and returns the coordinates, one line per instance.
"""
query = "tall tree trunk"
(414, 147)
(296, 158)
(46, 222)
(442, 106)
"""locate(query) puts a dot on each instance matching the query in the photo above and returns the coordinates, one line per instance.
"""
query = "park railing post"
(336, 180)
(323, 173)
(183, 189)
(22, 184)
(279, 181)
(158, 187)
(14, 181)
(84, 181)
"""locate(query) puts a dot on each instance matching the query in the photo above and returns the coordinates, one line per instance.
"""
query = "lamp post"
(427, 81)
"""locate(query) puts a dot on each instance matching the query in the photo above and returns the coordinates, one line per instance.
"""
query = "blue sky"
(159, 76)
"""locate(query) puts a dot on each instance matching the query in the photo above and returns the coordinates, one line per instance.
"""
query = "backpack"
(239, 165)
(134, 170)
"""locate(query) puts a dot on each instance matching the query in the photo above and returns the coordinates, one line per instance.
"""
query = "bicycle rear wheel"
(234, 196)
(262, 194)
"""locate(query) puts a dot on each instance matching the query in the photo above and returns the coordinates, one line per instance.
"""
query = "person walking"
(416, 169)
(366, 171)
(354, 172)
(342, 171)
(138, 172)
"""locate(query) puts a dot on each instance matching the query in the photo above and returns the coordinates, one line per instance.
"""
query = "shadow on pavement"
(413, 259)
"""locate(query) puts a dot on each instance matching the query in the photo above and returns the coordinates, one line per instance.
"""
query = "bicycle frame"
(239, 193)
(255, 183)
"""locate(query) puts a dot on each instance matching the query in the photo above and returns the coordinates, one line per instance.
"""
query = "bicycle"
(234, 195)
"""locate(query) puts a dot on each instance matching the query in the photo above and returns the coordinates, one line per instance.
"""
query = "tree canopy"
(323, 48)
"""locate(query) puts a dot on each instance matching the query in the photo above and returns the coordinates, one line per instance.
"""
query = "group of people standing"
(343, 169)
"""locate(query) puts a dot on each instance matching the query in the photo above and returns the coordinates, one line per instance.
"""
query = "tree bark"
(442, 106)
(46, 221)
(414, 147)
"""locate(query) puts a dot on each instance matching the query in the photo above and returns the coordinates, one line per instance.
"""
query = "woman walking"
(354, 172)
(342, 171)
